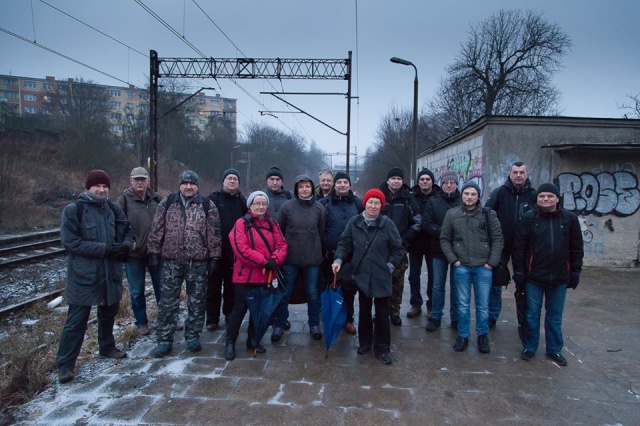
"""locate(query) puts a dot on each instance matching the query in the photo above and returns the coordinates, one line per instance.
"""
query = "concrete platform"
(428, 382)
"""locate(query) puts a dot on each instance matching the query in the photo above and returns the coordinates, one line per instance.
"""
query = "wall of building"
(599, 184)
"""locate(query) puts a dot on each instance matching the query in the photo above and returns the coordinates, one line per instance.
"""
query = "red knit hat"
(96, 177)
(373, 193)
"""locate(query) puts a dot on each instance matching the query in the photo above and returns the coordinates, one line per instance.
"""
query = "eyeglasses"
(231, 179)
(259, 204)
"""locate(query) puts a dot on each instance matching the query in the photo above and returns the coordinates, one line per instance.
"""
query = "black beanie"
(274, 171)
(426, 171)
(341, 175)
(230, 172)
(548, 187)
(396, 171)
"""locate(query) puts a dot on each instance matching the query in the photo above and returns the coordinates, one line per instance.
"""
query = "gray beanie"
(470, 184)
(255, 194)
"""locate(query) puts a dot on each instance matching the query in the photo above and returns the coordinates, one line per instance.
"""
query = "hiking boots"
(527, 354)
(414, 311)
(161, 350)
(461, 344)
(229, 352)
(558, 359)
(213, 326)
(384, 358)
(349, 328)
(363, 349)
(194, 345)
(276, 335)
(483, 344)
(66, 376)
(432, 325)
(114, 354)
(315, 332)
(396, 320)
(143, 330)
(492, 322)
(287, 325)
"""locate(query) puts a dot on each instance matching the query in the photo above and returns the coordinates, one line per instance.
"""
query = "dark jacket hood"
(300, 178)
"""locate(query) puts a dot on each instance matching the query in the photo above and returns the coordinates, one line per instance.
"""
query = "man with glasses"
(231, 206)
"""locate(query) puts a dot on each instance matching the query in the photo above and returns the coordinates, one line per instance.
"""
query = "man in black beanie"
(231, 205)
(401, 207)
(547, 259)
(420, 249)
(275, 190)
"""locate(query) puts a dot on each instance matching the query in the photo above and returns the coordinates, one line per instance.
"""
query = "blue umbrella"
(334, 314)
(262, 303)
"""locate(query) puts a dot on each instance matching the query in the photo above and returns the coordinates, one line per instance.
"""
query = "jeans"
(480, 277)
(219, 294)
(310, 274)
(377, 335)
(136, 269)
(75, 328)
(554, 297)
(495, 298)
(415, 271)
(440, 265)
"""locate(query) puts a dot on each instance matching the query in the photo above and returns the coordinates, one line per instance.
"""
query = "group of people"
(225, 245)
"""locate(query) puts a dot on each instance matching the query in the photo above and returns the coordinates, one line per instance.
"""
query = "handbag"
(500, 274)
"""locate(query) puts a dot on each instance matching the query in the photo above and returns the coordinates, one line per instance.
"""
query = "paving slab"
(295, 383)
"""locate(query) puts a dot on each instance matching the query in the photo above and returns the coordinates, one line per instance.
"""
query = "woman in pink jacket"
(259, 248)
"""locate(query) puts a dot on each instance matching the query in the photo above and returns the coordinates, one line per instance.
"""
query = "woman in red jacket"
(258, 247)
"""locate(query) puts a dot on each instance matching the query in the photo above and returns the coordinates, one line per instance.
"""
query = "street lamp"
(414, 146)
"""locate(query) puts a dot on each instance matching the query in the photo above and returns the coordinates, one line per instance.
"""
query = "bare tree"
(632, 105)
(504, 68)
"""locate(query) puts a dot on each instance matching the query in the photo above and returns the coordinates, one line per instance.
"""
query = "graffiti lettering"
(605, 193)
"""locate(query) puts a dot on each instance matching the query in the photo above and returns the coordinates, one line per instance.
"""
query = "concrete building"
(129, 105)
(594, 161)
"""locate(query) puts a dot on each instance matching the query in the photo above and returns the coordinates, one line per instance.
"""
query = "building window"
(46, 86)
(46, 98)
(228, 105)
(114, 92)
(29, 84)
(130, 117)
(144, 107)
(115, 116)
(115, 104)
(63, 101)
(32, 98)
(144, 95)
(129, 94)
(215, 102)
(11, 95)
(10, 82)
(203, 101)
(116, 128)
(30, 110)
(129, 105)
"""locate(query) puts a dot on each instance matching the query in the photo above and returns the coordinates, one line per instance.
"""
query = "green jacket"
(464, 237)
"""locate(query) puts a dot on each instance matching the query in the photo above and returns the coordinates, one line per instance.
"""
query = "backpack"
(80, 210)
(121, 226)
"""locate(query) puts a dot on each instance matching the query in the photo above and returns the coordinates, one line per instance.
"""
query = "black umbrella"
(521, 310)
(262, 303)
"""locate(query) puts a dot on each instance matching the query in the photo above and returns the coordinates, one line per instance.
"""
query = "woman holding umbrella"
(375, 247)
(259, 248)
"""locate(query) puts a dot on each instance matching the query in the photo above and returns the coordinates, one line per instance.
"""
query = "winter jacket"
(548, 247)
(434, 212)
(511, 204)
(140, 213)
(421, 243)
(465, 237)
(277, 199)
(252, 252)
(402, 209)
(302, 223)
(93, 278)
(230, 208)
(337, 212)
(373, 276)
(184, 234)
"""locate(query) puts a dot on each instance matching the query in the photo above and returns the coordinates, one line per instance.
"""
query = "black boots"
(461, 344)
(230, 351)
(483, 344)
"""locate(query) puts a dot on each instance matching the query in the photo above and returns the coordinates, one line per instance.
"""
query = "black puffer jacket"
(434, 213)
(511, 204)
(548, 247)
(421, 242)
(402, 209)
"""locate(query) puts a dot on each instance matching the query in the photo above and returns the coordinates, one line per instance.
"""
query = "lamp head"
(401, 61)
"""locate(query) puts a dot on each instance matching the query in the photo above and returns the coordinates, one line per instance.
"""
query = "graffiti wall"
(465, 159)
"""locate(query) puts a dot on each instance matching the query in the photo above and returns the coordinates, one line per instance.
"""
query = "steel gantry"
(241, 68)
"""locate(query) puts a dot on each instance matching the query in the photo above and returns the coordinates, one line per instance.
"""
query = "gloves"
(519, 279)
(154, 261)
(212, 266)
(116, 250)
(574, 279)
(270, 264)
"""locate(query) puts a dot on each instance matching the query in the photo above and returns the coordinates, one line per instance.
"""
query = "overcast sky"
(601, 69)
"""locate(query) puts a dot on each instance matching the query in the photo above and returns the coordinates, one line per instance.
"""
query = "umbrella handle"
(335, 278)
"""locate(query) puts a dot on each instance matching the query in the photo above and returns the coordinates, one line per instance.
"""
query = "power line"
(61, 55)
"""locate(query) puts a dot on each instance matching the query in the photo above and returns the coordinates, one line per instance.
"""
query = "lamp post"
(414, 145)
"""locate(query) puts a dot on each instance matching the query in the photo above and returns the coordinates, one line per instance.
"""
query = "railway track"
(16, 250)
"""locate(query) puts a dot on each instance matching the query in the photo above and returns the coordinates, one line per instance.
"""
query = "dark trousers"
(415, 272)
(239, 311)
(217, 294)
(75, 328)
(377, 335)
